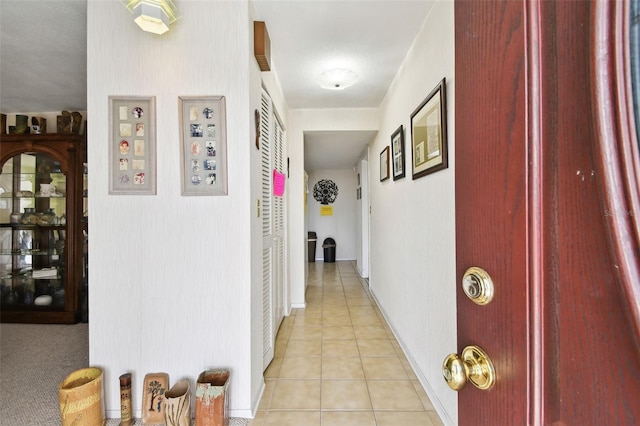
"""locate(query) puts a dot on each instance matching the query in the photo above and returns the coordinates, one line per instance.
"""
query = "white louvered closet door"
(273, 227)
(278, 227)
(268, 329)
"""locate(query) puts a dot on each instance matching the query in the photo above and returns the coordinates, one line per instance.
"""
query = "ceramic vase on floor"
(126, 413)
(177, 404)
(212, 401)
(81, 397)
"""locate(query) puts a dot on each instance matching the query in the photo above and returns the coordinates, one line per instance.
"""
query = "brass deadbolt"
(477, 285)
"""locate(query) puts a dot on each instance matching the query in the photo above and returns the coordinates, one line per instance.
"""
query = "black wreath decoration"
(325, 191)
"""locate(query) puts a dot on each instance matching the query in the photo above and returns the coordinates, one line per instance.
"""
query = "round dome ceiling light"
(337, 79)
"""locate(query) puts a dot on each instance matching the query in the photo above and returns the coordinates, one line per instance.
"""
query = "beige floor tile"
(311, 332)
(287, 321)
(339, 348)
(338, 332)
(355, 291)
(296, 395)
(335, 301)
(345, 395)
(281, 347)
(351, 284)
(342, 368)
(362, 311)
(301, 368)
(397, 418)
(352, 281)
(314, 304)
(269, 386)
(273, 370)
(358, 301)
(309, 311)
(426, 402)
(335, 310)
(331, 320)
(284, 332)
(348, 418)
(376, 347)
(304, 348)
(382, 368)
(314, 301)
(370, 332)
(308, 320)
(293, 418)
(393, 395)
(366, 320)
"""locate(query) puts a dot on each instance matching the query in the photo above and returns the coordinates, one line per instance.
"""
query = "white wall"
(172, 282)
(341, 226)
(413, 221)
(302, 120)
(362, 217)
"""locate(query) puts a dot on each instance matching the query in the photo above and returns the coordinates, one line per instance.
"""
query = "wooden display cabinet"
(41, 224)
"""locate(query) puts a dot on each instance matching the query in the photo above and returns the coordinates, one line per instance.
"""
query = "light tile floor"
(337, 362)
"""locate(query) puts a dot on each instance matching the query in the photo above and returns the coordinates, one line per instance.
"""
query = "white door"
(273, 227)
(279, 221)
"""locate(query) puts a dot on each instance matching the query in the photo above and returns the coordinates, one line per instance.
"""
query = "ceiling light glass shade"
(153, 16)
(337, 79)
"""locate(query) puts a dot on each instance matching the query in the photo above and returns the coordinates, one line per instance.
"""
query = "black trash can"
(311, 246)
(329, 246)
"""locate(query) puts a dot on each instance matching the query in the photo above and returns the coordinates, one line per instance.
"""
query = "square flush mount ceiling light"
(153, 16)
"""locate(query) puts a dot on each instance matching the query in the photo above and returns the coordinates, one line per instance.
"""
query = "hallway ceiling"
(43, 56)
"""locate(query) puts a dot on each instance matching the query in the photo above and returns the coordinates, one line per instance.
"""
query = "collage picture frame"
(203, 145)
(132, 150)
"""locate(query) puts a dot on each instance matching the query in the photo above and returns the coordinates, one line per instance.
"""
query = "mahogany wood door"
(547, 171)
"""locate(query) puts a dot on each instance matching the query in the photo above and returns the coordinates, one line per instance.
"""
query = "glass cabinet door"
(32, 233)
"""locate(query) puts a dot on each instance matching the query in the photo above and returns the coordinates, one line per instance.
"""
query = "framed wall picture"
(203, 145)
(384, 164)
(397, 153)
(429, 133)
(132, 145)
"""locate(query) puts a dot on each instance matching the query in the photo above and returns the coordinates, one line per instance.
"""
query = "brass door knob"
(473, 365)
